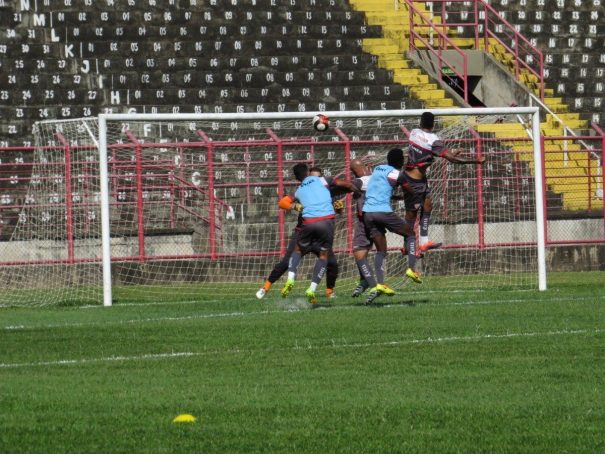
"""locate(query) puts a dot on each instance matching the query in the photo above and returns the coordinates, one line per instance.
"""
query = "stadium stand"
(571, 35)
(66, 59)
(74, 59)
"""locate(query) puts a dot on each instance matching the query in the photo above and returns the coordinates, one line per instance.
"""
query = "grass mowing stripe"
(285, 311)
(309, 346)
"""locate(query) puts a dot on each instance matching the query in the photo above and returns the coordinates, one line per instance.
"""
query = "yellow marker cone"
(185, 417)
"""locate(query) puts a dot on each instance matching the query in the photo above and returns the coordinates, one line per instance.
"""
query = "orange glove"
(286, 202)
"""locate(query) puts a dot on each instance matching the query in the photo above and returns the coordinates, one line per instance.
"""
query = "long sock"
(293, 264)
(331, 271)
(267, 285)
(279, 269)
(410, 245)
(319, 270)
(425, 218)
(366, 272)
(379, 266)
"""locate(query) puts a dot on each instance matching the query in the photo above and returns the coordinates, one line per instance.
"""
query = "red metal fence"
(479, 21)
(201, 180)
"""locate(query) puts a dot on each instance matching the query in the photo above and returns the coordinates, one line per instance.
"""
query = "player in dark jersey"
(282, 266)
(423, 148)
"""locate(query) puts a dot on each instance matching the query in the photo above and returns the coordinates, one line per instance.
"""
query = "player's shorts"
(361, 236)
(378, 223)
(317, 236)
(415, 192)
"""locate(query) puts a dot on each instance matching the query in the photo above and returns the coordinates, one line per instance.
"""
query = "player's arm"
(350, 187)
(453, 155)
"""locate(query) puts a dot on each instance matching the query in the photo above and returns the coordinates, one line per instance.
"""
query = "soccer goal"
(154, 207)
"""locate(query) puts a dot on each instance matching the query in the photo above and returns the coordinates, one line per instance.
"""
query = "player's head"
(315, 171)
(395, 158)
(427, 121)
(358, 168)
(301, 171)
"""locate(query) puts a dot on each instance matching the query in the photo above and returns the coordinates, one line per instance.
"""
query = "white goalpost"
(153, 207)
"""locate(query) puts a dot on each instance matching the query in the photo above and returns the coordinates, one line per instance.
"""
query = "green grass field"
(470, 371)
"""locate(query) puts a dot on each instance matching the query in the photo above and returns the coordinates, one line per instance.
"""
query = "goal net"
(191, 205)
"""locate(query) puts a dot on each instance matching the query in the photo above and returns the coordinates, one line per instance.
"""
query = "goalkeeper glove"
(297, 207)
(338, 205)
(286, 202)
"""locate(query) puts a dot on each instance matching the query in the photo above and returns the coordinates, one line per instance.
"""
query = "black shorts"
(415, 192)
(378, 223)
(317, 236)
(361, 236)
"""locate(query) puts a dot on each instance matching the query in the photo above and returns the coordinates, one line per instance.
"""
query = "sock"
(331, 271)
(423, 240)
(318, 272)
(313, 286)
(410, 245)
(366, 273)
(293, 265)
(267, 285)
(379, 266)
(425, 217)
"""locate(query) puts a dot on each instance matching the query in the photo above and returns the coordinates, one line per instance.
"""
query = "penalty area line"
(341, 344)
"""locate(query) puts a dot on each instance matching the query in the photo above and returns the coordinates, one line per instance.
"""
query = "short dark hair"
(300, 171)
(395, 158)
(316, 169)
(427, 120)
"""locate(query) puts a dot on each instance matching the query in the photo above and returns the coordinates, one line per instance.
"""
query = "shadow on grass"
(392, 302)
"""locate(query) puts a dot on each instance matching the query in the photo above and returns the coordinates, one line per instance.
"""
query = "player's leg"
(413, 198)
(410, 246)
(377, 224)
(361, 247)
(280, 267)
(331, 274)
(322, 234)
(424, 244)
(293, 266)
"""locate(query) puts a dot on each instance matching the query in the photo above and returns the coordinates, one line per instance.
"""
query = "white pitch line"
(270, 312)
(332, 345)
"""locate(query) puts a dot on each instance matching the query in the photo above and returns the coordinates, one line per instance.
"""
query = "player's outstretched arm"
(350, 187)
(453, 156)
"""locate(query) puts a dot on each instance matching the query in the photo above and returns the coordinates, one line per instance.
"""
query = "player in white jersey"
(424, 147)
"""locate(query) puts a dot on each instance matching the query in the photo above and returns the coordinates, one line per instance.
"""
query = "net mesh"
(194, 215)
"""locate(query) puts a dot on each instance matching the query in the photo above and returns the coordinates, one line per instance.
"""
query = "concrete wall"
(576, 257)
(496, 86)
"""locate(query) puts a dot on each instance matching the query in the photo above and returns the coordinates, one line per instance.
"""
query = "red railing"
(484, 23)
(456, 69)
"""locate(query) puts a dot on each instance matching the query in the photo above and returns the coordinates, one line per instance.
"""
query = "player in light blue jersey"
(281, 267)
(317, 232)
(379, 217)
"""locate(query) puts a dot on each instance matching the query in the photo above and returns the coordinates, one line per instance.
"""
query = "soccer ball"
(321, 122)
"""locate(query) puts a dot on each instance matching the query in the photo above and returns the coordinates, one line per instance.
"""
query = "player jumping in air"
(424, 147)
(379, 217)
(282, 266)
(317, 231)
